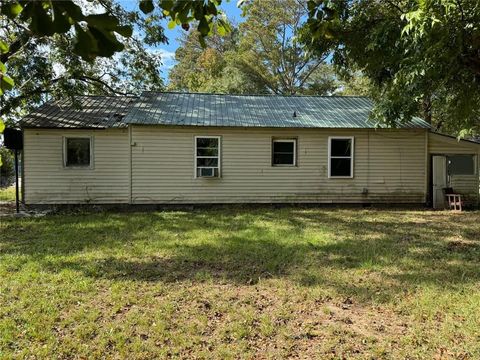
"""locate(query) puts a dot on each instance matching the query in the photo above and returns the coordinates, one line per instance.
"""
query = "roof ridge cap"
(245, 95)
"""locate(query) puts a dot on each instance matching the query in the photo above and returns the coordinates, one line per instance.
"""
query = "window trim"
(295, 144)
(65, 138)
(195, 168)
(352, 156)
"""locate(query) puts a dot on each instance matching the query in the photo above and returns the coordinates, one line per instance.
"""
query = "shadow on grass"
(332, 248)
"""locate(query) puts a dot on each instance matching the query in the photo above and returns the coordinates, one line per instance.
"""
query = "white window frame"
(195, 167)
(65, 166)
(289, 140)
(330, 157)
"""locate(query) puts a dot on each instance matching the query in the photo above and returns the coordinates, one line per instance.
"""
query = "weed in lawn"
(7, 194)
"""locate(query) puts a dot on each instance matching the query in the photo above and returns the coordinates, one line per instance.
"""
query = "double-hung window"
(340, 157)
(207, 156)
(77, 152)
(284, 152)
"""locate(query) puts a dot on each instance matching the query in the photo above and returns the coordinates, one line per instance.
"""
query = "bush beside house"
(7, 169)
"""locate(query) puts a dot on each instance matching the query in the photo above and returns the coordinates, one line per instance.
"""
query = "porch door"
(439, 176)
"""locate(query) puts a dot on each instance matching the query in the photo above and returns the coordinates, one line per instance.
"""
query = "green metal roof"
(87, 112)
(196, 109)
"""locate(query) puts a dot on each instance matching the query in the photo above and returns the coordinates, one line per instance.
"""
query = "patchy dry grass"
(7, 194)
(242, 283)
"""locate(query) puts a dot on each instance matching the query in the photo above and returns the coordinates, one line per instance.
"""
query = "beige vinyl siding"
(440, 144)
(390, 164)
(47, 181)
(467, 185)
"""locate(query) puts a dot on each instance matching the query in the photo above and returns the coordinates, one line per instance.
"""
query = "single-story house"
(190, 148)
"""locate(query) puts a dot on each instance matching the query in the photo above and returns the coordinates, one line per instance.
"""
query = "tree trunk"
(427, 108)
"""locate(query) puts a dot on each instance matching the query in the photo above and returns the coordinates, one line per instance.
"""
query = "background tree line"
(261, 55)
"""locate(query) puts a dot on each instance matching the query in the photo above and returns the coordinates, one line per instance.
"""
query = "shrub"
(7, 169)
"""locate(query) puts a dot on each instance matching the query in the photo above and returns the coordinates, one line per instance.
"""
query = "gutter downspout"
(23, 168)
(478, 178)
(368, 161)
(426, 166)
(130, 164)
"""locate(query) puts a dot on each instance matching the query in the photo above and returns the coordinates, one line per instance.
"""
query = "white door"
(439, 173)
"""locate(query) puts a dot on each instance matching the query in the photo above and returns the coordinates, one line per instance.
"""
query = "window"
(340, 157)
(284, 152)
(461, 165)
(77, 151)
(207, 156)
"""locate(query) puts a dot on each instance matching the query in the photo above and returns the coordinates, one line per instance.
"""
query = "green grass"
(241, 283)
(7, 194)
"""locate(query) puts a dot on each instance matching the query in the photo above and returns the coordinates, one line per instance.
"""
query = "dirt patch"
(354, 327)
(367, 322)
(7, 208)
(461, 245)
(299, 328)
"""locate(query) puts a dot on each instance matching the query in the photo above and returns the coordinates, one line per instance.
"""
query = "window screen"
(284, 152)
(77, 152)
(207, 156)
(341, 157)
(461, 165)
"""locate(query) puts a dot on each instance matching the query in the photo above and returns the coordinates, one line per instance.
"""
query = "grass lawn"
(7, 194)
(241, 283)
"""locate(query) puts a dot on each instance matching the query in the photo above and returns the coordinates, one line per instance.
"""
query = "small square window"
(284, 152)
(77, 152)
(340, 157)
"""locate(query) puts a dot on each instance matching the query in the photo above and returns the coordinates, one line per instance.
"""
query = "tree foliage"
(270, 51)
(205, 14)
(37, 33)
(261, 55)
(49, 67)
(421, 56)
(7, 166)
(211, 68)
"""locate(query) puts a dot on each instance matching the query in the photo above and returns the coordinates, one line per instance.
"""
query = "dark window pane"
(283, 159)
(207, 151)
(207, 142)
(341, 147)
(461, 165)
(207, 162)
(340, 167)
(78, 152)
(283, 152)
(283, 147)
